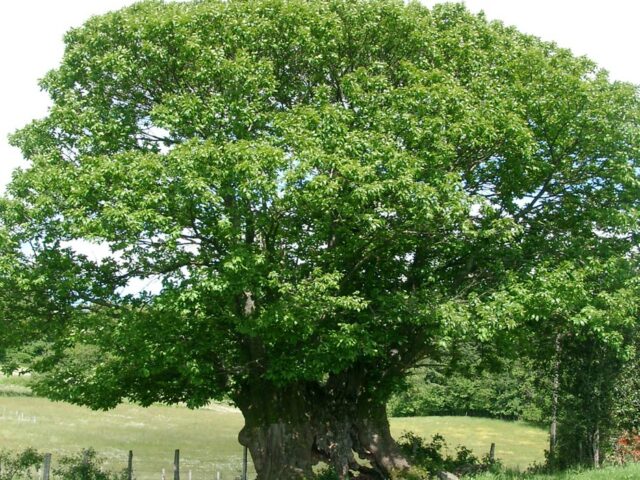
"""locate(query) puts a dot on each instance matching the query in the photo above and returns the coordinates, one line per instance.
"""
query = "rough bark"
(280, 450)
(555, 388)
(288, 431)
(375, 443)
(595, 445)
(277, 430)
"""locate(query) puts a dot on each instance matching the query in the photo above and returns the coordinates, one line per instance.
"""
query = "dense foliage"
(85, 465)
(316, 195)
(511, 392)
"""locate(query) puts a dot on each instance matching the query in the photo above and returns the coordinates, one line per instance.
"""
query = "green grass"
(207, 438)
(629, 472)
(14, 386)
(518, 444)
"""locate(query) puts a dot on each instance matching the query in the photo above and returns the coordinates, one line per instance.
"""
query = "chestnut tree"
(292, 202)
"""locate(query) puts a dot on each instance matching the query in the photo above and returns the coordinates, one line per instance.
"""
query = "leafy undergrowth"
(84, 465)
(430, 457)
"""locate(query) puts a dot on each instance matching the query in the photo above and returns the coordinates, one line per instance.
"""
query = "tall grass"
(207, 438)
(15, 386)
(628, 472)
(518, 444)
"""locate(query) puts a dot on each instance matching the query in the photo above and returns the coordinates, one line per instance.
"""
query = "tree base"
(288, 450)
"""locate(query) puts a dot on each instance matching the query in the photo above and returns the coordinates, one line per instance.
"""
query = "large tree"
(315, 194)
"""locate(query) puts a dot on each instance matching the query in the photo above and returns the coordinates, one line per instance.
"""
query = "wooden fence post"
(130, 466)
(244, 463)
(176, 465)
(46, 466)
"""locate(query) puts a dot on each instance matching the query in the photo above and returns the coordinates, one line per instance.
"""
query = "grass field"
(207, 438)
(518, 444)
(629, 472)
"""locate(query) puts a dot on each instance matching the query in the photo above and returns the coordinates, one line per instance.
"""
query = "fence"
(46, 467)
(175, 475)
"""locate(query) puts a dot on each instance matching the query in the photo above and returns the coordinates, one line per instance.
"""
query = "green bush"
(86, 465)
(21, 465)
(326, 473)
(429, 458)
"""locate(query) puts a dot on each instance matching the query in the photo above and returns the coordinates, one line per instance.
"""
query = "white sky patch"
(606, 32)
(94, 251)
(31, 34)
(476, 210)
(191, 243)
(98, 251)
(137, 285)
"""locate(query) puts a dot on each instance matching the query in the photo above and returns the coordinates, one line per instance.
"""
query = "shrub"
(627, 448)
(430, 458)
(508, 394)
(21, 465)
(86, 465)
(326, 473)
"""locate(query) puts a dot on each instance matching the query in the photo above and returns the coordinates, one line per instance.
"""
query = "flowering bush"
(628, 447)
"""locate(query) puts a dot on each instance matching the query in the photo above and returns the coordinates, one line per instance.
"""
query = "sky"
(31, 34)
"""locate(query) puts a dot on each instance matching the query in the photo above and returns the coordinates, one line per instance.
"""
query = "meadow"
(518, 444)
(207, 437)
(628, 472)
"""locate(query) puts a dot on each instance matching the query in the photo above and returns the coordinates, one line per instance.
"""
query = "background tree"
(568, 364)
(507, 388)
(578, 326)
(322, 192)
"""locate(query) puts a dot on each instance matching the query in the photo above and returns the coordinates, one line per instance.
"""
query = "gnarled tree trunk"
(280, 450)
(289, 430)
(374, 440)
(277, 431)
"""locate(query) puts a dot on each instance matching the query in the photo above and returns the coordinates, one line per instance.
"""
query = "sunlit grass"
(207, 438)
(629, 472)
(518, 444)
(14, 386)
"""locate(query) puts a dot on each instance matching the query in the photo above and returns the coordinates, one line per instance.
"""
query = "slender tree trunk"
(555, 388)
(595, 445)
